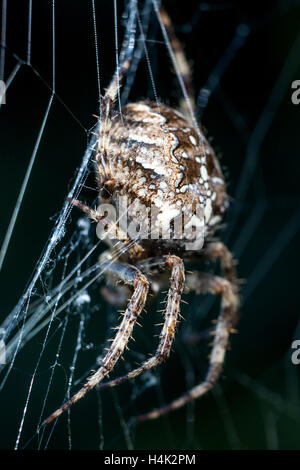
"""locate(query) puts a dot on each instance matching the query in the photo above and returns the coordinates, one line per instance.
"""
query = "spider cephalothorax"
(159, 157)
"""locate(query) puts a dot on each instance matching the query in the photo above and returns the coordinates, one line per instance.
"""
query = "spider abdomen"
(158, 159)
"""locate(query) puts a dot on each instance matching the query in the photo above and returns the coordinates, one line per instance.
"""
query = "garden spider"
(159, 156)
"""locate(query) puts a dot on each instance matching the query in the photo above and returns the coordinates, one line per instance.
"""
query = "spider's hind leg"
(183, 66)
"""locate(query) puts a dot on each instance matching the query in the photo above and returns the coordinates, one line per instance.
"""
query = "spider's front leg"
(214, 251)
(171, 314)
(133, 248)
(229, 306)
(130, 275)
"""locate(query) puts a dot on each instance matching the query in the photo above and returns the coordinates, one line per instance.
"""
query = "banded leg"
(108, 104)
(218, 251)
(171, 318)
(133, 248)
(213, 251)
(129, 275)
(182, 63)
(229, 306)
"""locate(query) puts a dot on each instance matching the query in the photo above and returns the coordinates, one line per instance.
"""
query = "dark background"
(251, 119)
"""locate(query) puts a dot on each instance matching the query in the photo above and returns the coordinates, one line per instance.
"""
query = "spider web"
(54, 321)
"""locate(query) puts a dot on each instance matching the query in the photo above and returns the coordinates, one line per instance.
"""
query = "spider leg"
(208, 283)
(133, 248)
(213, 251)
(218, 251)
(171, 318)
(130, 275)
(182, 63)
(108, 104)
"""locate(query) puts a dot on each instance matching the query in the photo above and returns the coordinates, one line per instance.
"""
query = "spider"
(160, 156)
